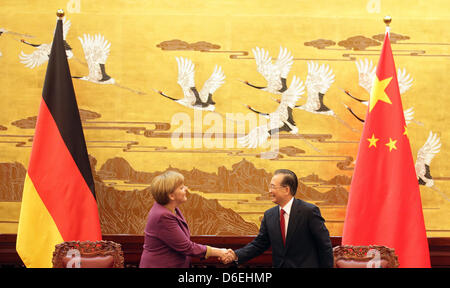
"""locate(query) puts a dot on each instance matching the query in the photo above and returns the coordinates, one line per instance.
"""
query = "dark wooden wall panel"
(132, 248)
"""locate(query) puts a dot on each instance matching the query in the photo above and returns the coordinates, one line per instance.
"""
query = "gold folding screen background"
(133, 132)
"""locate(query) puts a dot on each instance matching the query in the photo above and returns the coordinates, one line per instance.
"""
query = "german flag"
(58, 202)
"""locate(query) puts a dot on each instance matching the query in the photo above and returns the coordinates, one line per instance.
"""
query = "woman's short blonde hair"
(164, 184)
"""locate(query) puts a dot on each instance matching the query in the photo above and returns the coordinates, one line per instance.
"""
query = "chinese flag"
(384, 206)
(58, 202)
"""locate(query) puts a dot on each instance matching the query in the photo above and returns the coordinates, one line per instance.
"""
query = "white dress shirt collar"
(288, 206)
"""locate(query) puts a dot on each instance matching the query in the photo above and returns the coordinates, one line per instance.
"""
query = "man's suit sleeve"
(255, 248)
(322, 237)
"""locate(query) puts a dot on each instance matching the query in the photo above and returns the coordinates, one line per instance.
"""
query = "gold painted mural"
(226, 92)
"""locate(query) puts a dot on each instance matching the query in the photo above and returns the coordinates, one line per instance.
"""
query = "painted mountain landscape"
(229, 202)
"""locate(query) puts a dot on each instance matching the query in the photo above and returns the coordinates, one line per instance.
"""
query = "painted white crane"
(274, 73)
(318, 81)
(424, 156)
(2, 30)
(96, 51)
(367, 71)
(192, 98)
(366, 74)
(423, 161)
(407, 113)
(279, 120)
(42, 52)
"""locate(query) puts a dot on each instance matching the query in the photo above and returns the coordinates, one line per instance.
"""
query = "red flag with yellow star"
(384, 206)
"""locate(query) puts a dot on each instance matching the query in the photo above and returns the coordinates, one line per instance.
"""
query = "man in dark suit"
(304, 241)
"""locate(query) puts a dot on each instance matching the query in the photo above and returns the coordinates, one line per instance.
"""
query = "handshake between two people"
(226, 256)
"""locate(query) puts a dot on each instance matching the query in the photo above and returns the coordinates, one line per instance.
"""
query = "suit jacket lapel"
(293, 218)
(183, 224)
(275, 223)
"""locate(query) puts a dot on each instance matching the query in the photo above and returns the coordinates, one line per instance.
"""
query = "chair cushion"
(92, 262)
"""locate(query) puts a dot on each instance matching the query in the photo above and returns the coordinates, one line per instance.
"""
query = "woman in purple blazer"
(167, 241)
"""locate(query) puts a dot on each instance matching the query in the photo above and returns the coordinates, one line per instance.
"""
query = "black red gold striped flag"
(58, 202)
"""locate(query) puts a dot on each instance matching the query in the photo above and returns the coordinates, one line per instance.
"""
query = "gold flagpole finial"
(60, 13)
(387, 20)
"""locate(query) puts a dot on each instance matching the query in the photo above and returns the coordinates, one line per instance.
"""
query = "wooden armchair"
(88, 254)
(364, 257)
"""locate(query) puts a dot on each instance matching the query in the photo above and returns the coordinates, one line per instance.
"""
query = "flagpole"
(387, 20)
